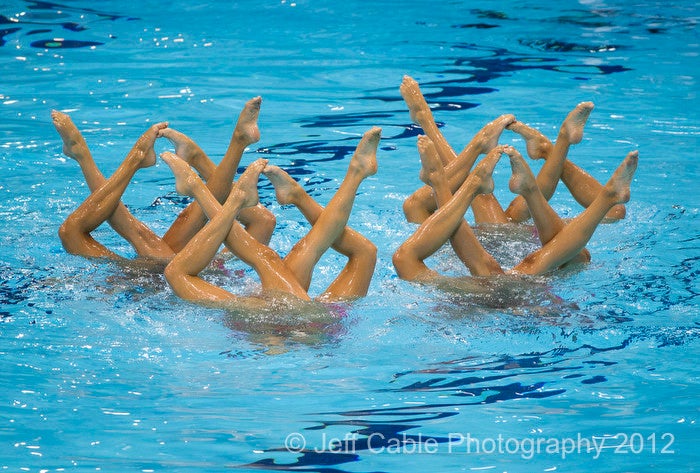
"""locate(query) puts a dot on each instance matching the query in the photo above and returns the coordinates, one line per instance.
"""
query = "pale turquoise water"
(104, 371)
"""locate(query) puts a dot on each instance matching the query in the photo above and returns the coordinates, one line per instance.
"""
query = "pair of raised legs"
(583, 187)
(560, 242)
(104, 202)
(289, 275)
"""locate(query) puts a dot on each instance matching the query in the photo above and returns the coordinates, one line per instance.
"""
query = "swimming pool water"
(104, 369)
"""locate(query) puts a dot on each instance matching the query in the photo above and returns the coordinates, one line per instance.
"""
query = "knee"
(401, 259)
(414, 211)
(367, 253)
(267, 219)
(173, 275)
(261, 225)
(70, 237)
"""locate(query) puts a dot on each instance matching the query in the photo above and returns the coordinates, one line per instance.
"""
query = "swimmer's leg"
(421, 203)
(182, 272)
(524, 183)
(573, 237)
(101, 204)
(570, 132)
(191, 220)
(332, 222)
(145, 242)
(190, 152)
(584, 188)
(257, 220)
(353, 281)
(485, 207)
(422, 115)
(441, 225)
(273, 273)
(463, 240)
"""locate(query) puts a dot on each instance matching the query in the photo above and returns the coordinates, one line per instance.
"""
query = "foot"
(287, 190)
(572, 128)
(74, 145)
(248, 182)
(143, 150)
(418, 108)
(618, 187)
(538, 146)
(482, 175)
(432, 171)
(364, 160)
(487, 138)
(247, 131)
(185, 177)
(185, 148)
(522, 180)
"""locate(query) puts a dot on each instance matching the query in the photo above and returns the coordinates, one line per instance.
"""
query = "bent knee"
(72, 239)
(368, 253)
(266, 218)
(173, 274)
(414, 211)
(405, 264)
(260, 223)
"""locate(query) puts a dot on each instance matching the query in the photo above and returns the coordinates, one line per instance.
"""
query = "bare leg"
(422, 115)
(182, 272)
(573, 237)
(584, 188)
(419, 205)
(463, 241)
(191, 220)
(257, 220)
(353, 281)
(441, 225)
(101, 204)
(571, 132)
(524, 183)
(332, 222)
(487, 209)
(190, 152)
(145, 242)
(274, 275)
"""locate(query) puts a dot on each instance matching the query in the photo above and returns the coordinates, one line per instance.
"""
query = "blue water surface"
(105, 369)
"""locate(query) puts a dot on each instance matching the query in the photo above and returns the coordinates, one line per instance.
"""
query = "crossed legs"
(568, 242)
(582, 185)
(182, 273)
(145, 242)
(442, 224)
(463, 240)
(219, 179)
(293, 274)
(419, 205)
(258, 220)
(104, 203)
(561, 243)
(329, 228)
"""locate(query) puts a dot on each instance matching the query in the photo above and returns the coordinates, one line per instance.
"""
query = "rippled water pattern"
(104, 369)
